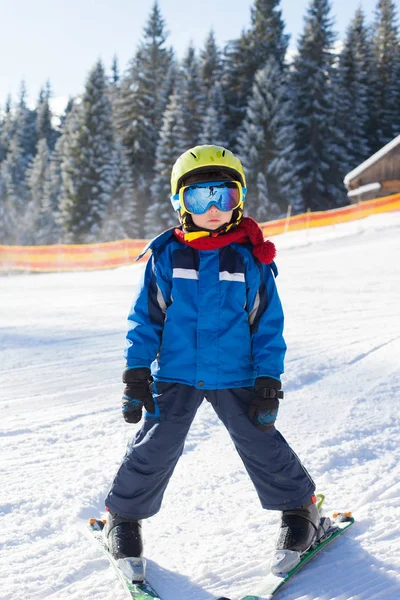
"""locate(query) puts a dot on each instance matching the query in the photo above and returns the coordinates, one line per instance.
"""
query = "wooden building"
(376, 177)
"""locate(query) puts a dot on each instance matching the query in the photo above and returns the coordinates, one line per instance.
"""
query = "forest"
(299, 121)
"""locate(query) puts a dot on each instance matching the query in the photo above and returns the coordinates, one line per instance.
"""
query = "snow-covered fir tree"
(44, 126)
(115, 77)
(213, 129)
(25, 126)
(39, 216)
(192, 97)
(65, 114)
(264, 204)
(14, 194)
(121, 220)
(386, 56)
(264, 138)
(169, 86)
(266, 34)
(3, 215)
(172, 143)
(87, 166)
(7, 127)
(249, 53)
(352, 90)
(237, 84)
(52, 194)
(210, 65)
(141, 104)
(2, 146)
(71, 203)
(37, 175)
(317, 137)
(114, 84)
(284, 168)
(18, 138)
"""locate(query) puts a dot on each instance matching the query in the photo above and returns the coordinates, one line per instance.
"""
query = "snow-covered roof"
(370, 187)
(373, 159)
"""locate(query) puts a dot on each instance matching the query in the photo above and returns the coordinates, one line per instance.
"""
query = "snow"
(363, 189)
(62, 435)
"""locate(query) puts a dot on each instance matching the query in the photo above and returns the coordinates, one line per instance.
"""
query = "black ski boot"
(299, 527)
(298, 531)
(124, 537)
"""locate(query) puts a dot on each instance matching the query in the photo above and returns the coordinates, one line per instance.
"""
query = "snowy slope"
(62, 435)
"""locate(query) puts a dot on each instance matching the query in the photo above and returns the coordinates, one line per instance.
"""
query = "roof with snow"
(382, 166)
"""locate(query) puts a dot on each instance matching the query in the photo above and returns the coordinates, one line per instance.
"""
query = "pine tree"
(264, 138)
(17, 149)
(237, 84)
(7, 129)
(141, 103)
(248, 54)
(317, 135)
(3, 215)
(87, 162)
(210, 65)
(213, 126)
(67, 110)
(267, 210)
(284, 168)
(39, 217)
(121, 220)
(263, 204)
(386, 50)
(114, 85)
(352, 93)
(214, 120)
(172, 143)
(52, 193)
(169, 85)
(14, 193)
(115, 78)
(44, 127)
(25, 126)
(192, 98)
(267, 37)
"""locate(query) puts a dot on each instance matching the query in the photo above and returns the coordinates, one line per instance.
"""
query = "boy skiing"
(207, 323)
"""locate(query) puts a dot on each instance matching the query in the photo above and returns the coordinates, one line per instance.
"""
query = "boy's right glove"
(137, 393)
(265, 404)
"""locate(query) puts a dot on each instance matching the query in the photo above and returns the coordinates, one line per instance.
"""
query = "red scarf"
(248, 231)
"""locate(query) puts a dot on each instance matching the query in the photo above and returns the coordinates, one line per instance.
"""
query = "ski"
(273, 583)
(135, 590)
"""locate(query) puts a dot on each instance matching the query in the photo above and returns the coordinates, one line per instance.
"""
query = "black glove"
(137, 393)
(265, 404)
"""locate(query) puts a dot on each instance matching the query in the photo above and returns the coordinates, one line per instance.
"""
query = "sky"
(61, 41)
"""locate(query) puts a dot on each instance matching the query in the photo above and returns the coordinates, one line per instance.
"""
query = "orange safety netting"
(81, 257)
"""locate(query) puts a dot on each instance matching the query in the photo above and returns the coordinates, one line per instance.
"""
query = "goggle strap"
(175, 201)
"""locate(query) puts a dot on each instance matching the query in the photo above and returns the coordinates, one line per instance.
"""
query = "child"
(207, 323)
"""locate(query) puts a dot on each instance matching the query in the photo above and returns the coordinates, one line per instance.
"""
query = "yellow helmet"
(205, 158)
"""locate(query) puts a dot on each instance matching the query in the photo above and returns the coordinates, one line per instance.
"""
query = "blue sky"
(60, 41)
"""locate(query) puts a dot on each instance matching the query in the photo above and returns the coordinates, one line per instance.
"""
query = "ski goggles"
(197, 198)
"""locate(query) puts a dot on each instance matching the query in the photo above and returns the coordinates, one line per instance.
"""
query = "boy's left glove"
(137, 393)
(265, 404)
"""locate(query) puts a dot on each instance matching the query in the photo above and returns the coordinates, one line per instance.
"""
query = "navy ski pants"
(137, 491)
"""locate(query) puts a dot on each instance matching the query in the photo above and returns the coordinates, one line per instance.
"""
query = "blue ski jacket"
(211, 319)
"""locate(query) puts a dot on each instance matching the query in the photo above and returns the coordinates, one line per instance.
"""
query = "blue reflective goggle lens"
(198, 197)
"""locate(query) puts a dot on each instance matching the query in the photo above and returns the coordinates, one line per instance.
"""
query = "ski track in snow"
(62, 435)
